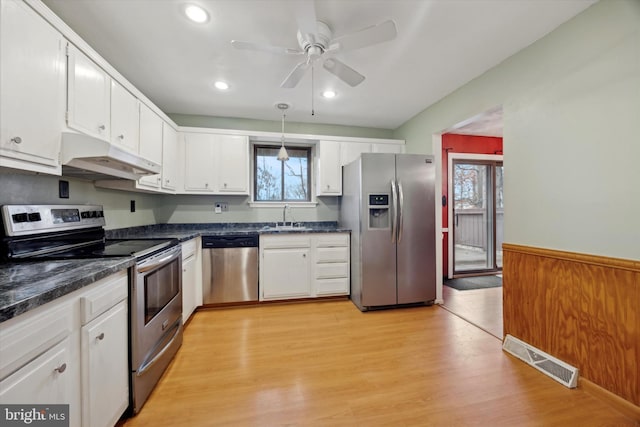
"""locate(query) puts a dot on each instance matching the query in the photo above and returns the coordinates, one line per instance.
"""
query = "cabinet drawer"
(332, 286)
(33, 335)
(189, 248)
(106, 293)
(331, 240)
(47, 379)
(332, 270)
(282, 242)
(332, 255)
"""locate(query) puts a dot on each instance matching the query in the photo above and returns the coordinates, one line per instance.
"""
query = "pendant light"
(282, 154)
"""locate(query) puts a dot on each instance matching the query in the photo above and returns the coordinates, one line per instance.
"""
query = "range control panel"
(21, 220)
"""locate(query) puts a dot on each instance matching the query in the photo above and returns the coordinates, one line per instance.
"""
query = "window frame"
(310, 184)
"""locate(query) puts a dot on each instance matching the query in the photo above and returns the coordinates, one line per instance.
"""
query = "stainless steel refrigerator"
(388, 202)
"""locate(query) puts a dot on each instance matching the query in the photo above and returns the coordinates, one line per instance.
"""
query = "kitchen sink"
(288, 227)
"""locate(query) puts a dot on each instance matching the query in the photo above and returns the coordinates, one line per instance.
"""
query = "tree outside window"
(276, 180)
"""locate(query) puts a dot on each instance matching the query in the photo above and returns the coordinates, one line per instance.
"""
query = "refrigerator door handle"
(394, 216)
(400, 211)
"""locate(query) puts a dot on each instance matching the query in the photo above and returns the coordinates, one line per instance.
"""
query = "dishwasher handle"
(230, 241)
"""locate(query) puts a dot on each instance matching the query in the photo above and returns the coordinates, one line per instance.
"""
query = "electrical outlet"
(224, 206)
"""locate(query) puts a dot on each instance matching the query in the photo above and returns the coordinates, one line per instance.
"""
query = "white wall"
(571, 105)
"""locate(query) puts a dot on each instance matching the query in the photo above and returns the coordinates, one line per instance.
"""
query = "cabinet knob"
(16, 140)
(328, 186)
(100, 337)
(102, 127)
(159, 179)
(304, 255)
(120, 136)
(206, 184)
(167, 180)
(225, 185)
(60, 369)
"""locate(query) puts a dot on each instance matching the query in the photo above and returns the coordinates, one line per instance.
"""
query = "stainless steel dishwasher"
(230, 268)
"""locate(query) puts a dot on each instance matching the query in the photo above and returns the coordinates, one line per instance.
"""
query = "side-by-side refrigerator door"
(416, 256)
(377, 239)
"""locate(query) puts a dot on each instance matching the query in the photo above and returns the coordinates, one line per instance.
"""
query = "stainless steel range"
(44, 232)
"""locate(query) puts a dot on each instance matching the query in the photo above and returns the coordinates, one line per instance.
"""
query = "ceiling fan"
(315, 40)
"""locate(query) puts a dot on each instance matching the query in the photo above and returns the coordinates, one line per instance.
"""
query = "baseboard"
(624, 406)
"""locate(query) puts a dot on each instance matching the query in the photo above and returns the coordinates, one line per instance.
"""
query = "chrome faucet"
(284, 214)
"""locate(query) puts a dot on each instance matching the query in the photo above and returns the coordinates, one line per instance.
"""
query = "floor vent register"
(557, 369)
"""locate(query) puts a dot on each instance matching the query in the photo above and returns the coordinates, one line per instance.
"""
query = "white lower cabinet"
(105, 380)
(304, 265)
(48, 379)
(191, 277)
(73, 350)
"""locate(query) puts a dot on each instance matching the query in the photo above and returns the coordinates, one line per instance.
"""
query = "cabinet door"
(88, 96)
(388, 148)
(286, 273)
(49, 378)
(199, 162)
(105, 368)
(32, 75)
(350, 151)
(169, 157)
(150, 142)
(329, 178)
(188, 287)
(125, 118)
(232, 164)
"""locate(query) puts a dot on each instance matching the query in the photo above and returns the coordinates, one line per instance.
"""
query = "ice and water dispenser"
(379, 215)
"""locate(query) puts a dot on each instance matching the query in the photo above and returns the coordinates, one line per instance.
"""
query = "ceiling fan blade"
(375, 34)
(295, 75)
(265, 48)
(343, 72)
(305, 11)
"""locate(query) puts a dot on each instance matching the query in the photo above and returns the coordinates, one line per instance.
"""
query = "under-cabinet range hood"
(91, 158)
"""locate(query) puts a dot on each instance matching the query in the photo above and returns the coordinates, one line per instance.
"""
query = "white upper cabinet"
(232, 164)
(350, 151)
(199, 160)
(150, 142)
(329, 169)
(216, 163)
(388, 148)
(88, 96)
(125, 118)
(32, 73)
(169, 157)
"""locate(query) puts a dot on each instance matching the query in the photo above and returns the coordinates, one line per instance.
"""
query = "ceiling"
(441, 45)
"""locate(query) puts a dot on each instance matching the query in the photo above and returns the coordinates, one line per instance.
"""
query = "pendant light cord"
(313, 113)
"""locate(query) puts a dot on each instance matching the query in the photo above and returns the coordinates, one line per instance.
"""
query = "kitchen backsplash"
(16, 188)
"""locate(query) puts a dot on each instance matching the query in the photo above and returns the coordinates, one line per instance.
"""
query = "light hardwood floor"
(328, 364)
(481, 307)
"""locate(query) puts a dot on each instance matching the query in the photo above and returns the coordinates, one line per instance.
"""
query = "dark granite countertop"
(27, 285)
(184, 232)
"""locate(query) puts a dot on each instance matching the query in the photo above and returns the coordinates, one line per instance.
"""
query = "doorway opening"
(472, 217)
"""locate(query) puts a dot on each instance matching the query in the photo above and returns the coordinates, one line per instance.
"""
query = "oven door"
(156, 319)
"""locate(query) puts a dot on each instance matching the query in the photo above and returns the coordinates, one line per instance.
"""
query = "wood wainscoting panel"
(582, 309)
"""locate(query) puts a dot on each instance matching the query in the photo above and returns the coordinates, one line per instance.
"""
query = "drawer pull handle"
(100, 337)
(60, 369)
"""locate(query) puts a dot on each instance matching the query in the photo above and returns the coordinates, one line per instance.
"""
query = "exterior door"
(477, 216)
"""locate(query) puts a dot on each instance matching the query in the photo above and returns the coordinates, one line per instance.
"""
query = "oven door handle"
(158, 356)
(147, 267)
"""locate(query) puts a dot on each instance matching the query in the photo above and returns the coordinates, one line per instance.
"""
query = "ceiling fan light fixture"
(196, 14)
(329, 94)
(221, 85)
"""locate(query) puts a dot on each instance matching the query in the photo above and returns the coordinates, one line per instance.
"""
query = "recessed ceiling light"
(329, 94)
(196, 14)
(221, 85)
